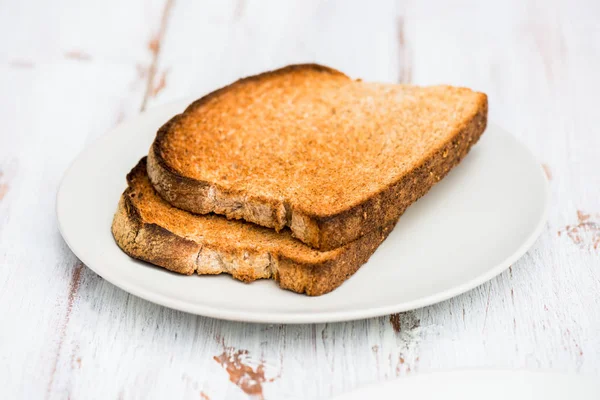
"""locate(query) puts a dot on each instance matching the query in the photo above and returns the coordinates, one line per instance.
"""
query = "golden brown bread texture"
(309, 148)
(148, 228)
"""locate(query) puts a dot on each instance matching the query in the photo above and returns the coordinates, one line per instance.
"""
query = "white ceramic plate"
(482, 384)
(470, 227)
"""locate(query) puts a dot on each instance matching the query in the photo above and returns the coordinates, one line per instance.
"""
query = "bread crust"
(150, 241)
(324, 231)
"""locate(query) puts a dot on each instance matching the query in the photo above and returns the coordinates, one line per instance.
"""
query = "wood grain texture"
(70, 71)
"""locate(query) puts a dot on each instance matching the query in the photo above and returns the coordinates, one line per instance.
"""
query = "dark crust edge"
(157, 245)
(333, 230)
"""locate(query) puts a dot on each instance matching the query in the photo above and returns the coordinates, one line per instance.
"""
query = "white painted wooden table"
(70, 70)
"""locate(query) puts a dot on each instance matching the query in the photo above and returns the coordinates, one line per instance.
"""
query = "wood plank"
(64, 82)
(68, 29)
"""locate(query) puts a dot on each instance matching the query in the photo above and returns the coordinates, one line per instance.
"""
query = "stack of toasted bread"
(296, 174)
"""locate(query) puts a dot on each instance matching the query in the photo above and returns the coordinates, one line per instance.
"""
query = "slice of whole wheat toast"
(148, 228)
(309, 148)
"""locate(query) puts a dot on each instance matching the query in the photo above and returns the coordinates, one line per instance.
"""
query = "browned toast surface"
(309, 148)
(148, 228)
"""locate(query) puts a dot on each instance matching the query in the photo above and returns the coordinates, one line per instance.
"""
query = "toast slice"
(309, 148)
(148, 228)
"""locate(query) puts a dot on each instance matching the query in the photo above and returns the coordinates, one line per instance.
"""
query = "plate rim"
(298, 317)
